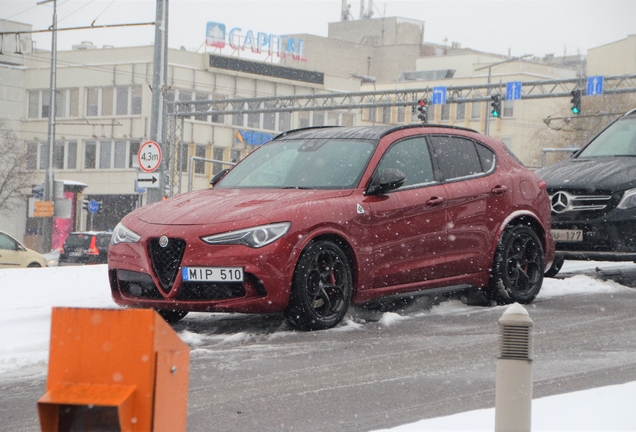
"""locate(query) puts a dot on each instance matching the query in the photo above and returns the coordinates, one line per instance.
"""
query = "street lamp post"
(49, 183)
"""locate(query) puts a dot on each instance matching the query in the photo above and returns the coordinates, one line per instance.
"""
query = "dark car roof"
(356, 132)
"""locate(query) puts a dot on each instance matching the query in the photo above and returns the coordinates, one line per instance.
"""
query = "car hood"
(606, 174)
(230, 205)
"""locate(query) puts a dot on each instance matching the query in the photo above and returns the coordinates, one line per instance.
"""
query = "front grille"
(166, 260)
(210, 291)
(565, 201)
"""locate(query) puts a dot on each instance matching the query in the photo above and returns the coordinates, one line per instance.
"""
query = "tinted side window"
(410, 156)
(486, 156)
(456, 157)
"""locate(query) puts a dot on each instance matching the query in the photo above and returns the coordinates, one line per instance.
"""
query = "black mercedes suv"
(594, 197)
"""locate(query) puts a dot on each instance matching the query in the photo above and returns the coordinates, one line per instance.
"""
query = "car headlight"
(121, 234)
(628, 200)
(255, 237)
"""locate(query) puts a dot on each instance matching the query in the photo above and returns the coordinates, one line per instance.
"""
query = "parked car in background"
(15, 254)
(90, 247)
(321, 218)
(593, 197)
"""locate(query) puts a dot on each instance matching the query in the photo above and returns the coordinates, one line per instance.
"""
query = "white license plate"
(212, 274)
(567, 235)
(75, 254)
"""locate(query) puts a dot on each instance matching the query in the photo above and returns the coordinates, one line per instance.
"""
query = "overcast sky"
(503, 26)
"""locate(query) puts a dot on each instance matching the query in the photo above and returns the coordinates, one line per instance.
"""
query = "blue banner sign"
(252, 138)
(282, 46)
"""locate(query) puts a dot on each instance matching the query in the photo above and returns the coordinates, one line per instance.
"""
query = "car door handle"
(499, 190)
(435, 201)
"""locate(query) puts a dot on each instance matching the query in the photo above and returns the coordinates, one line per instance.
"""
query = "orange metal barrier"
(114, 370)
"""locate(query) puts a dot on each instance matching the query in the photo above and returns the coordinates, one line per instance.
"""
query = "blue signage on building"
(253, 138)
(283, 46)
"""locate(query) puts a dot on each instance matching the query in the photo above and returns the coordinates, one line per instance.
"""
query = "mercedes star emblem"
(560, 202)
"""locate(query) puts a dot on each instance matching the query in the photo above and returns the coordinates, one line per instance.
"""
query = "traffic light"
(423, 109)
(496, 105)
(576, 101)
(85, 204)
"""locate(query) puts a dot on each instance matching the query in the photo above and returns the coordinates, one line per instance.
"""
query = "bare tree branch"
(15, 179)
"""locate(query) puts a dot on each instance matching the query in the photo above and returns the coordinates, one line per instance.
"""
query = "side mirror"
(387, 179)
(218, 176)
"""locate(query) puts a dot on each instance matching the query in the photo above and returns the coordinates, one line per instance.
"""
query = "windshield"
(302, 164)
(617, 140)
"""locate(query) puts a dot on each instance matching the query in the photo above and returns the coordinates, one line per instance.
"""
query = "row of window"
(100, 101)
(111, 101)
(103, 154)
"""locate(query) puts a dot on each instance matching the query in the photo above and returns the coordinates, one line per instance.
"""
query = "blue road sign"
(594, 85)
(93, 206)
(439, 95)
(513, 90)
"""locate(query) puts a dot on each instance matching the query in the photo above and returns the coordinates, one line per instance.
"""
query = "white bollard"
(513, 397)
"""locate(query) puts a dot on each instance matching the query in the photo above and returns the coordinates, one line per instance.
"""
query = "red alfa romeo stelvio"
(321, 218)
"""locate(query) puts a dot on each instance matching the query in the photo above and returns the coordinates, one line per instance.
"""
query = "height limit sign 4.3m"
(149, 156)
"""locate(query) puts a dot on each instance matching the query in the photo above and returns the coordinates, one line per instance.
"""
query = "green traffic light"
(495, 113)
(575, 110)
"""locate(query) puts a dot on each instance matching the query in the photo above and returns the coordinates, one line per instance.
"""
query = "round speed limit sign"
(149, 156)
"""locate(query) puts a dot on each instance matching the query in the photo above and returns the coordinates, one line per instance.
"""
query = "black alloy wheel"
(322, 287)
(517, 273)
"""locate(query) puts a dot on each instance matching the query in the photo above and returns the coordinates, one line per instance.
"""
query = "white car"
(15, 254)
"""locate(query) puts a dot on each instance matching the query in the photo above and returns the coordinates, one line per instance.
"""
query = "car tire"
(172, 316)
(517, 272)
(555, 267)
(34, 264)
(322, 287)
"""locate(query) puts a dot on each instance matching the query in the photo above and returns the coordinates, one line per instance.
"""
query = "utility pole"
(159, 81)
(49, 183)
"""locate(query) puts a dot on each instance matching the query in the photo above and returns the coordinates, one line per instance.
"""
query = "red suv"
(322, 218)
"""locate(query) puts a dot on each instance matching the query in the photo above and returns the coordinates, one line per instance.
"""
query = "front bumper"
(136, 281)
(607, 237)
